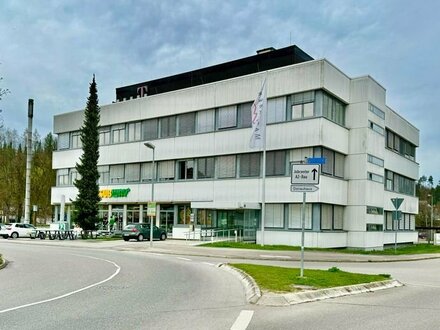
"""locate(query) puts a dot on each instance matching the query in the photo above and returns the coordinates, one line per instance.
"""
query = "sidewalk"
(191, 248)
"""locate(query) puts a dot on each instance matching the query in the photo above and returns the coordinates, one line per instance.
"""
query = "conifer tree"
(86, 203)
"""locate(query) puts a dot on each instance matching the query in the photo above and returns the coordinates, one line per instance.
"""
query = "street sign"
(316, 160)
(303, 188)
(304, 174)
(397, 202)
(151, 209)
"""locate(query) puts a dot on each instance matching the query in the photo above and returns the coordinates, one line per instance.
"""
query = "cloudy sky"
(49, 49)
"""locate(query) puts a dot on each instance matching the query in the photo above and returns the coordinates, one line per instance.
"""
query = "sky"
(50, 49)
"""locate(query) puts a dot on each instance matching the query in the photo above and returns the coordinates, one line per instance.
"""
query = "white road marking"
(243, 320)
(118, 269)
(208, 263)
(186, 259)
(156, 254)
(270, 256)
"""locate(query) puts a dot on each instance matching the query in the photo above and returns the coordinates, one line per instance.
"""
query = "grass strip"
(282, 279)
(410, 249)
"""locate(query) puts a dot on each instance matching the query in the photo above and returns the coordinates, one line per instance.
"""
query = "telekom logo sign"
(142, 91)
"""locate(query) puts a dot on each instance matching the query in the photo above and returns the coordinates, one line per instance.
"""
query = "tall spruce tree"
(86, 203)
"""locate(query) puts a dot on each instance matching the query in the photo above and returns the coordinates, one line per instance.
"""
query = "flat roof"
(266, 59)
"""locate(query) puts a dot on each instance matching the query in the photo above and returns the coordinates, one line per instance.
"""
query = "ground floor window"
(295, 216)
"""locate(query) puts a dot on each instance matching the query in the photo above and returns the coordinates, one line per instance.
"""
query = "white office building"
(208, 177)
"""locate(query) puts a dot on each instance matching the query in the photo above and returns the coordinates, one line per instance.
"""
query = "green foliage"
(86, 204)
(333, 270)
(281, 279)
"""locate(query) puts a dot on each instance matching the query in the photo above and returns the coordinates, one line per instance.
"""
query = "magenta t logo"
(143, 90)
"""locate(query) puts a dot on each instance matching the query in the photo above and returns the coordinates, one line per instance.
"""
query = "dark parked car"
(140, 231)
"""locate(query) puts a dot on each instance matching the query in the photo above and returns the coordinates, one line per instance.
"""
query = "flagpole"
(263, 189)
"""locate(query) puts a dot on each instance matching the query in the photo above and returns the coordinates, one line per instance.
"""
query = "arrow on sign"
(314, 171)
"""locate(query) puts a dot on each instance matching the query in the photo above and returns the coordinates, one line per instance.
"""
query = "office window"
(185, 169)
(227, 117)
(167, 126)
(333, 109)
(104, 135)
(276, 110)
(250, 165)
(63, 177)
(117, 174)
(302, 105)
(205, 121)
(166, 170)
(400, 145)
(375, 210)
(334, 161)
(226, 166)
(205, 168)
(132, 172)
(63, 141)
(244, 115)
(300, 154)
(295, 216)
(149, 129)
(274, 216)
(377, 128)
(73, 175)
(375, 160)
(118, 133)
(146, 172)
(374, 177)
(276, 163)
(374, 227)
(134, 131)
(76, 140)
(104, 174)
(332, 217)
(186, 123)
(398, 183)
(376, 111)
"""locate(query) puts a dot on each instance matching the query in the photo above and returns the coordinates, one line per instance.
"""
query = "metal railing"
(215, 234)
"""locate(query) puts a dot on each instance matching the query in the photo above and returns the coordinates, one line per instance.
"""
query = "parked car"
(3, 232)
(15, 230)
(140, 231)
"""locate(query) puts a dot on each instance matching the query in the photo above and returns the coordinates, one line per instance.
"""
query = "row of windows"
(288, 216)
(398, 183)
(407, 222)
(375, 160)
(280, 109)
(399, 144)
(221, 167)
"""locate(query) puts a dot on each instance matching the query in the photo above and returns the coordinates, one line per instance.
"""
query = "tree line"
(13, 174)
(428, 194)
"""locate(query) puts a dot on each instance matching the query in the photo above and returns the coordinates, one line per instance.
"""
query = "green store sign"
(114, 193)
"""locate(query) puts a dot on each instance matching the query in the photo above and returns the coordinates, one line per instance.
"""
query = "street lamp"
(431, 236)
(152, 147)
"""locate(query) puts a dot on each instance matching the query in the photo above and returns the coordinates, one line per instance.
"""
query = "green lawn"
(281, 279)
(411, 249)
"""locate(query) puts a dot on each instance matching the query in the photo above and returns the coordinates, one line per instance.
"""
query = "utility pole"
(27, 199)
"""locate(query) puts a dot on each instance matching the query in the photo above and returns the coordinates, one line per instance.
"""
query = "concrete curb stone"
(254, 295)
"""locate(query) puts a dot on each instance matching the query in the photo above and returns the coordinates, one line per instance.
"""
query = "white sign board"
(304, 174)
(303, 188)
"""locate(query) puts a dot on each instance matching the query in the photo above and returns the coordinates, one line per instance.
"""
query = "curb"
(252, 290)
(254, 295)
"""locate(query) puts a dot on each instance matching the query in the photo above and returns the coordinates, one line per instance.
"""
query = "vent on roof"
(265, 50)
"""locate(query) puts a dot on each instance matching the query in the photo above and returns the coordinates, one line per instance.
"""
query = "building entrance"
(167, 218)
(116, 219)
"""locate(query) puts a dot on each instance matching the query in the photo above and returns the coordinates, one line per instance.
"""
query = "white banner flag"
(258, 117)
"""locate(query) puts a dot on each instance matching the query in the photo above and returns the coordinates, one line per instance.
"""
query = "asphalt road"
(90, 289)
(166, 291)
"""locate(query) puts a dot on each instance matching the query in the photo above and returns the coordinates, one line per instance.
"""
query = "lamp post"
(431, 233)
(152, 147)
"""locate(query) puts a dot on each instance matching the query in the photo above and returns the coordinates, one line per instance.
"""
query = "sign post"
(396, 217)
(303, 179)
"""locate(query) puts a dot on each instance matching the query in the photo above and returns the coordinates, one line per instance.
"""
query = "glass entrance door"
(166, 220)
(116, 219)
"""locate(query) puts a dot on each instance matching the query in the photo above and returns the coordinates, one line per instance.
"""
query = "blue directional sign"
(316, 160)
